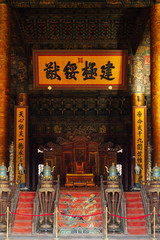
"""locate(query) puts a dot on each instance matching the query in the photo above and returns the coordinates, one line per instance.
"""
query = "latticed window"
(119, 169)
(40, 169)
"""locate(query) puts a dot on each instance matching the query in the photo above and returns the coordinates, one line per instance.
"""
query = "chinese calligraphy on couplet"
(20, 138)
(139, 137)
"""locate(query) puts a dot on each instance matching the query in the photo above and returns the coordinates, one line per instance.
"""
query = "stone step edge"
(97, 209)
(25, 220)
(80, 199)
(22, 227)
(61, 221)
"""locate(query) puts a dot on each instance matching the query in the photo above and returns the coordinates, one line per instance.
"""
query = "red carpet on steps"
(23, 224)
(135, 209)
(80, 203)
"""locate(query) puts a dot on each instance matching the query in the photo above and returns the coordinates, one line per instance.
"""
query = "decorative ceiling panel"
(78, 3)
(52, 26)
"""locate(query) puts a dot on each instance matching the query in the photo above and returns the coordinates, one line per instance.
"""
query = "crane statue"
(137, 168)
(106, 169)
(20, 167)
(53, 169)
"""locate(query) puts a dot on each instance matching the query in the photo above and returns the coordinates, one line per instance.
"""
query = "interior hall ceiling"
(100, 25)
(79, 3)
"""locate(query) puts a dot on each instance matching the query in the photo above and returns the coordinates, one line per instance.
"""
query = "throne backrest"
(79, 167)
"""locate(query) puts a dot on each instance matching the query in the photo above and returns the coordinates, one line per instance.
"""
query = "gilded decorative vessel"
(47, 173)
(155, 173)
(3, 172)
(113, 176)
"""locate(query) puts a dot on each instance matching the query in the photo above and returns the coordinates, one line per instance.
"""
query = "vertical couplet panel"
(139, 139)
(21, 137)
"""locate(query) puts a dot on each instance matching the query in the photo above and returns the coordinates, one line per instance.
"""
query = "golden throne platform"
(79, 178)
(75, 179)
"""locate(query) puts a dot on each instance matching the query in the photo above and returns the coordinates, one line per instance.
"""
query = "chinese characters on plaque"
(80, 69)
(139, 137)
(89, 71)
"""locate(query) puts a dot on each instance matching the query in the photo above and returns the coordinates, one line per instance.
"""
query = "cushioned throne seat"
(79, 168)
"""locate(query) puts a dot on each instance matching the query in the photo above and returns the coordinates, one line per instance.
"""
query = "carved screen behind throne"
(80, 160)
(93, 162)
(68, 162)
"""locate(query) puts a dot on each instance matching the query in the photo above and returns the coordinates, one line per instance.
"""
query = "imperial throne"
(79, 177)
(79, 168)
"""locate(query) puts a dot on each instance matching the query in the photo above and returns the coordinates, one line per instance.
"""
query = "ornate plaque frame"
(80, 69)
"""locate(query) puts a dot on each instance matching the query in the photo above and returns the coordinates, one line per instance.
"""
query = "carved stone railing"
(122, 209)
(150, 193)
(5, 196)
(56, 205)
(36, 210)
(104, 204)
(145, 200)
(14, 203)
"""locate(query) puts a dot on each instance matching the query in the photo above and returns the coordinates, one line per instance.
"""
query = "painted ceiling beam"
(78, 3)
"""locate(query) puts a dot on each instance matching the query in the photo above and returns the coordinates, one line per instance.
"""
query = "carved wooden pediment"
(63, 141)
(110, 146)
(80, 139)
(51, 147)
